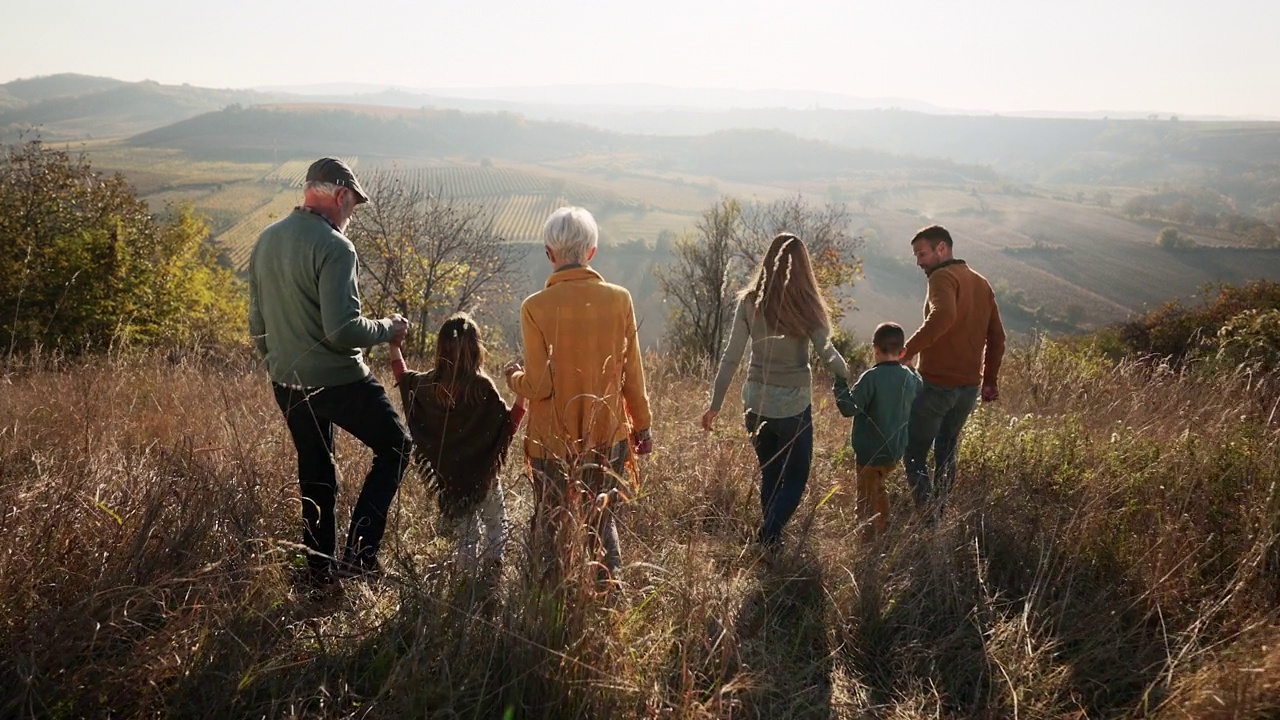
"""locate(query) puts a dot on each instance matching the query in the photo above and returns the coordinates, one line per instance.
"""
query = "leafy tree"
(731, 238)
(87, 266)
(825, 231)
(1170, 239)
(425, 256)
(699, 284)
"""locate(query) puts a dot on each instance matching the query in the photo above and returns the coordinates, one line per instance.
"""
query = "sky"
(1188, 57)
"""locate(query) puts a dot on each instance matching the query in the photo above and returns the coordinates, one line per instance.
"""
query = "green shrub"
(87, 266)
(1174, 331)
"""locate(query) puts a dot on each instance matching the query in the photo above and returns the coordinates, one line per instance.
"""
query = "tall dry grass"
(1110, 550)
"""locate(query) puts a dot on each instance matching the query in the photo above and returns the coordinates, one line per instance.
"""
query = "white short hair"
(320, 187)
(572, 234)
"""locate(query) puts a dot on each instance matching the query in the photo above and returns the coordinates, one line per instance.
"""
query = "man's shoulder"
(299, 224)
(964, 272)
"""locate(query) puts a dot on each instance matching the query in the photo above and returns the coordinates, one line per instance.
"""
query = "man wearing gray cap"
(305, 320)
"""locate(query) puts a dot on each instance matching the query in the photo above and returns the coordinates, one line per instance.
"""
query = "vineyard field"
(238, 241)
(294, 172)
(622, 227)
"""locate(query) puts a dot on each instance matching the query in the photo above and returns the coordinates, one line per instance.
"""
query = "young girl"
(782, 312)
(461, 431)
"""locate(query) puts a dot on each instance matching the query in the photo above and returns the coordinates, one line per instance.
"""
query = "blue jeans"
(362, 409)
(937, 416)
(784, 448)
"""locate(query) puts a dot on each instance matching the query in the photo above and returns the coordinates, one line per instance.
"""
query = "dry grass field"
(1112, 550)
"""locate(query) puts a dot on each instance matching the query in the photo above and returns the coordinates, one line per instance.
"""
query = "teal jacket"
(304, 304)
(880, 405)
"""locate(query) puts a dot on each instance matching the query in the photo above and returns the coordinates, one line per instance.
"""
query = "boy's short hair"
(889, 338)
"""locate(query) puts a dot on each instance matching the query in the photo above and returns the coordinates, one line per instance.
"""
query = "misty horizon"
(993, 57)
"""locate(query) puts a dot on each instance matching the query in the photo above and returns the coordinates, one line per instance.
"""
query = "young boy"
(880, 405)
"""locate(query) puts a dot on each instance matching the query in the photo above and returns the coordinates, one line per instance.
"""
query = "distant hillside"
(8, 101)
(307, 129)
(239, 133)
(47, 87)
(76, 107)
(1096, 152)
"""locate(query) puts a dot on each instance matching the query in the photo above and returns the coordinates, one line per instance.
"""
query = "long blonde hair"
(785, 291)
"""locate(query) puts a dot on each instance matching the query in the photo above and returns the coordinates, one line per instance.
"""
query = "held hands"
(399, 328)
(990, 393)
(642, 442)
(513, 367)
(709, 419)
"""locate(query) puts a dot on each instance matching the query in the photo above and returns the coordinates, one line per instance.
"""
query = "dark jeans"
(937, 416)
(362, 409)
(562, 504)
(784, 448)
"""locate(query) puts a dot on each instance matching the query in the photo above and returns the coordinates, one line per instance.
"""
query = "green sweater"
(304, 304)
(880, 405)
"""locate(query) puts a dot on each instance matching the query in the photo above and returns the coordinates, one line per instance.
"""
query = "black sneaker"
(369, 570)
(319, 582)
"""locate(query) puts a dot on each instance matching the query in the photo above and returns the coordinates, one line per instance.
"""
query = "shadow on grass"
(784, 640)
(973, 618)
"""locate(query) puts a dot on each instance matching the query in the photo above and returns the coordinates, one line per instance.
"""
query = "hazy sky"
(1182, 56)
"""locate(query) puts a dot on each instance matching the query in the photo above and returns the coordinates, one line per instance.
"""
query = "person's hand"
(399, 327)
(910, 360)
(512, 367)
(642, 442)
(709, 419)
(990, 393)
(521, 401)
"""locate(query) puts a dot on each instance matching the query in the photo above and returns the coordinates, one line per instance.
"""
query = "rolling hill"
(79, 107)
(1041, 206)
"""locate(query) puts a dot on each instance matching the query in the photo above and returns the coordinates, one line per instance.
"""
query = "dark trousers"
(937, 417)
(784, 448)
(364, 410)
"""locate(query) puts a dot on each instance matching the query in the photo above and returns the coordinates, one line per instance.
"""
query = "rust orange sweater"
(962, 340)
(582, 372)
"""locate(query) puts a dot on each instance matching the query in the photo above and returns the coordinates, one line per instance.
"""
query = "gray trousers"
(575, 493)
(490, 515)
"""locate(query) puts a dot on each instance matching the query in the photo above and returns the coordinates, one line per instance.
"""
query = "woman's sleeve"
(739, 334)
(829, 355)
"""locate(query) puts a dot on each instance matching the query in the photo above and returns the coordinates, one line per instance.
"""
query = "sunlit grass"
(1110, 551)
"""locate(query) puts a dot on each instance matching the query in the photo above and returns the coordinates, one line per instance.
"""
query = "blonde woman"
(782, 313)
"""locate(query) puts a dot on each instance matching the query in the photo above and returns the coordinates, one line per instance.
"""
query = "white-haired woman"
(582, 375)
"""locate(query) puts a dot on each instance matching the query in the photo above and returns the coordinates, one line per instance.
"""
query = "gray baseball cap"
(333, 170)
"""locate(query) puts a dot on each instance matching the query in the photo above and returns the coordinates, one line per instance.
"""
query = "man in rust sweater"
(960, 347)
